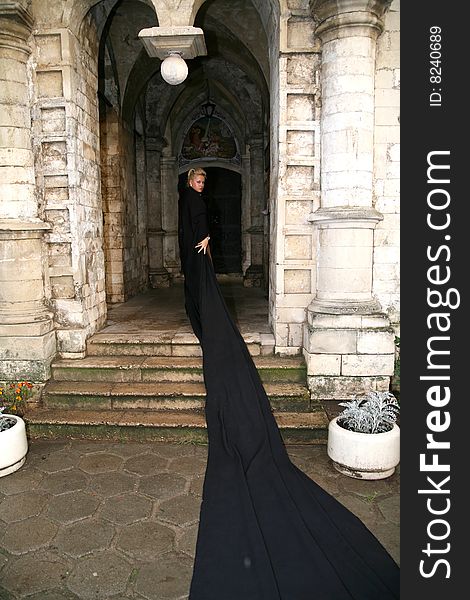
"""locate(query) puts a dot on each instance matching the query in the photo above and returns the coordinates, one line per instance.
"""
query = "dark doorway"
(222, 193)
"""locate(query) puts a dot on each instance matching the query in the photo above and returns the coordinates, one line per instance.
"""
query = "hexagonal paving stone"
(99, 576)
(52, 463)
(110, 484)
(182, 510)
(172, 450)
(84, 537)
(53, 595)
(187, 542)
(364, 510)
(145, 540)
(60, 483)
(68, 508)
(162, 485)
(22, 506)
(44, 446)
(126, 509)
(188, 465)
(29, 534)
(168, 579)
(146, 464)
(126, 449)
(196, 485)
(34, 574)
(390, 508)
(99, 463)
(20, 481)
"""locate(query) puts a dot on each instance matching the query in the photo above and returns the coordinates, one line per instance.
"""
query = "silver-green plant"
(375, 412)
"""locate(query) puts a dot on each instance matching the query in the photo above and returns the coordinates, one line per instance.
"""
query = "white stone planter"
(363, 455)
(13, 446)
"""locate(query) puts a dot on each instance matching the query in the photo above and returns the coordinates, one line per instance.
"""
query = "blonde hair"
(192, 173)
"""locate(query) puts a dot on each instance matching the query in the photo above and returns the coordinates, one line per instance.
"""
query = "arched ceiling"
(235, 70)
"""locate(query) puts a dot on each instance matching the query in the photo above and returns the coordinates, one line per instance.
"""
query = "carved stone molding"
(15, 27)
(336, 16)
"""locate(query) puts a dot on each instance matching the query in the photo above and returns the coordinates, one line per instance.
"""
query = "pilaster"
(348, 342)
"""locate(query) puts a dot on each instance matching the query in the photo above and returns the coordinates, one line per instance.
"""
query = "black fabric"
(267, 531)
(192, 228)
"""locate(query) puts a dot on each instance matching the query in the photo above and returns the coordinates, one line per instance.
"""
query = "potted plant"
(13, 439)
(364, 440)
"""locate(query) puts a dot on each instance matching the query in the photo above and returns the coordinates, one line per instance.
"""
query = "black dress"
(267, 531)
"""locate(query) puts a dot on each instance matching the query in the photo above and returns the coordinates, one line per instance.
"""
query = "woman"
(193, 234)
(266, 530)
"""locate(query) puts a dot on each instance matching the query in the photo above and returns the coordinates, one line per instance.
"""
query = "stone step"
(167, 369)
(181, 426)
(86, 395)
(166, 343)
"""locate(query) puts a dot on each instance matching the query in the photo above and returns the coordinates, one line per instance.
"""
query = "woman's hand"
(203, 244)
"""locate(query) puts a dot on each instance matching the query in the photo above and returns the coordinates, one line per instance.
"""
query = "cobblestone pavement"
(114, 521)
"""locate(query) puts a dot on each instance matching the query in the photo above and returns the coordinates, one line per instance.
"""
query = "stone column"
(254, 274)
(27, 338)
(169, 207)
(158, 274)
(348, 342)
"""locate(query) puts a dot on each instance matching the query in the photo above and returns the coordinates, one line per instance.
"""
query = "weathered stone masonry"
(89, 164)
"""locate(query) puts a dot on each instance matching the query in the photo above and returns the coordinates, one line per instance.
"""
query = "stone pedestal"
(348, 342)
(27, 336)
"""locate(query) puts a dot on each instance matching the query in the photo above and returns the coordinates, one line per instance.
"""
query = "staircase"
(150, 387)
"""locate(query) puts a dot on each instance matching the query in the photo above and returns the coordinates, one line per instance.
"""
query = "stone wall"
(66, 144)
(293, 240)
(386, 275)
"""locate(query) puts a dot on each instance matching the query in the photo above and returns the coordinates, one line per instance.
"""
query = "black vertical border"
(424, 129)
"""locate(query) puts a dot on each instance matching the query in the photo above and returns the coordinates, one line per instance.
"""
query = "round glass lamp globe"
(174, 70)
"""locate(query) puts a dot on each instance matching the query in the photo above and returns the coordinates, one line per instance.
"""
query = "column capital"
(343, 216)
(16, 24)
(335, 17)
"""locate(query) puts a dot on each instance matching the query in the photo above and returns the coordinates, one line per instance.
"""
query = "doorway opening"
(222, 194)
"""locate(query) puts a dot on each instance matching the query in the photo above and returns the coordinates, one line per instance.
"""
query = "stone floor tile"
(34, 573)
(83, 447)
(54, 462)
(389, 536)
(367, 488)
(20, 481)
(182, 510)
(162, 485)
(188, 465)
(196, 484)
(86, 536)
(54, 595)
(100, 462)
(390, 509)
(172, 450)
(187, 540)
(23, 506)
(126, 508)
(111, 484)
(145, 540)
(68, 508)
(362, 509)
(146, 464)
(65, 481)
(168, 579)
(100, 576)
(29, 534)
(128, 448)
(42, 447)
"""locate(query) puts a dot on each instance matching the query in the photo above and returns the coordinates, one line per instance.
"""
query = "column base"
(159, 278)
(347, 354)
(254, 276)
